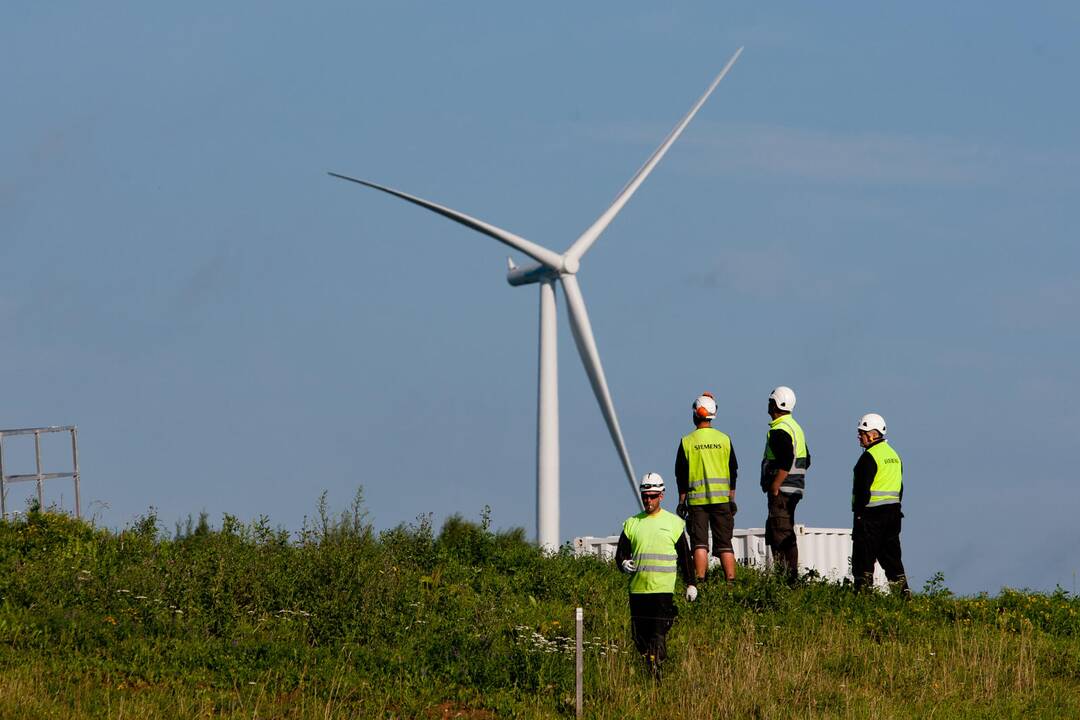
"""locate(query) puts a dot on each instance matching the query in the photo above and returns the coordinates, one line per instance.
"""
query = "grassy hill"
(243, 620)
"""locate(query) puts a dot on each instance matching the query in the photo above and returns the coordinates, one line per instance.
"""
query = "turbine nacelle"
(537, 272)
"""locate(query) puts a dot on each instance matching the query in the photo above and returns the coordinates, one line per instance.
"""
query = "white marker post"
(578, 615)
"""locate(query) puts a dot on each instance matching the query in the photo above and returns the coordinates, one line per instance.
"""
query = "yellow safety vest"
(708, 453)
(795, 482)
(889, 479)
(652, 545)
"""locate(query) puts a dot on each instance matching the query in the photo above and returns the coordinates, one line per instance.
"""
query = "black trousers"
(875, 537)
(651, 616)
(780, 524)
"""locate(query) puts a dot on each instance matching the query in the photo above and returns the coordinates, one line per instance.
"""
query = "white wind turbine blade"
(536, 252)
(590, 358)
(583, 243)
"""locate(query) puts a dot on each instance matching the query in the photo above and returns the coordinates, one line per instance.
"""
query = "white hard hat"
(784, 397)
(705, 407)
(651, 482)
(872, 421)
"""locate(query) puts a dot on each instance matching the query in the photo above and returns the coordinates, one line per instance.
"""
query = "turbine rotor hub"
(570, 265)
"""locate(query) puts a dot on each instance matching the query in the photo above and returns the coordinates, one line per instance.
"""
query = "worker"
(652, 548)
(876, 491)
(783, 479)
(705, 472)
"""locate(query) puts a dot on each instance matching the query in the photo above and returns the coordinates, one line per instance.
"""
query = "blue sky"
(876, 208)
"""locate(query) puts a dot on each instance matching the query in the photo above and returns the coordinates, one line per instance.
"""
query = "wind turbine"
(550, 267)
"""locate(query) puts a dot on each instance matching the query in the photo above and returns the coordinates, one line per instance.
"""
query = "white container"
(826, 551)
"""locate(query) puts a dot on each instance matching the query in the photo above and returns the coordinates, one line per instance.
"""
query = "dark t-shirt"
(783, 449)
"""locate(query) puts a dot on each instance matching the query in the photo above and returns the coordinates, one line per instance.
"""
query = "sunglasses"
(650, 495)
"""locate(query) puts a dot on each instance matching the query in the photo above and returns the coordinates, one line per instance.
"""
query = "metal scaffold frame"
(40, 477)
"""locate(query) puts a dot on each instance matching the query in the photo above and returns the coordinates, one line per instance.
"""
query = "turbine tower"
(551, 267)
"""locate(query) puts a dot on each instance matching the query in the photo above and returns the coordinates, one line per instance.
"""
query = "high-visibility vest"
(652, 545)
(889, 479)
(795, 482)
(708, 453)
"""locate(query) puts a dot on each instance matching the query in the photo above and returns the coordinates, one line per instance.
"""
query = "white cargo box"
(827, 551)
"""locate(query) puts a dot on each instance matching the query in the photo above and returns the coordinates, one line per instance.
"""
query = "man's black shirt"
(863, 477)
(782, 446)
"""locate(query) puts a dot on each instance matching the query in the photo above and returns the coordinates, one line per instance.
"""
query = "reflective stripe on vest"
(795, 482)
(889, 479)
(656, 562)
(652, 545)
(708, 455)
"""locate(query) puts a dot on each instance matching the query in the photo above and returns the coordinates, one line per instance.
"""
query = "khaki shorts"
(722, 520)
(780, 525)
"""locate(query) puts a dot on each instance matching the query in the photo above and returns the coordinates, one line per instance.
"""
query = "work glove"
(691, 593)
(629, 565)
(681, 510)
(734, 507)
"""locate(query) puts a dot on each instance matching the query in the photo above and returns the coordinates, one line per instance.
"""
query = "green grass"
(243, 620)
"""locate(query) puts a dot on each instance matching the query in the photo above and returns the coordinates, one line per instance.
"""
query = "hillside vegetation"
(243, 620)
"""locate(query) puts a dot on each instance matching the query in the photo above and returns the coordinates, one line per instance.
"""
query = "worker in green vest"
(705, 472)
(653, 549)
(876, 491)
(783, 479)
